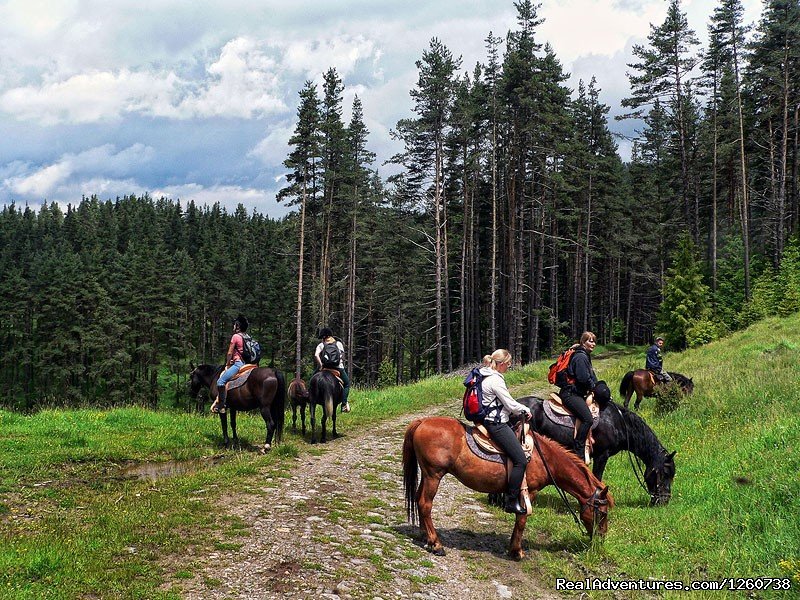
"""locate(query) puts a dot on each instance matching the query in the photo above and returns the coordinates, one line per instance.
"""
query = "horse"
(265, 390)
(436, 446)
(325, 390)
(618, 429)
(641, 381)
(298, 398)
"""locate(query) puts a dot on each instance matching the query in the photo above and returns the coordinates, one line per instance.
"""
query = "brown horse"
(298, 398)
(438, 445)
(643, 382)
(265, 390)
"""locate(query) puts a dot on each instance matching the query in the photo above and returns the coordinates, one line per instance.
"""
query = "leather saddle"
(560, 414)
(335, 373)
(240, 378)
(485, 444)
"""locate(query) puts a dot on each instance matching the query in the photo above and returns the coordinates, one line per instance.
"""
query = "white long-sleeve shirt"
(494, 388)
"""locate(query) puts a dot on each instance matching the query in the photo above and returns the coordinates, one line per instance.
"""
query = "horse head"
(594, 512)
(658, 478)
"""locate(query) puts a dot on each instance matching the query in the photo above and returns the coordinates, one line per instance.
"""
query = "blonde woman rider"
(502, 408)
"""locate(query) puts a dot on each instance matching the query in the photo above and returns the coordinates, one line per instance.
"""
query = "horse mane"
(554, 446)
(641, 434)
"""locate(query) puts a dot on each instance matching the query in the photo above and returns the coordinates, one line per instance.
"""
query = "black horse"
(326, 390)
(644, 384)
(264, 390)
(618, 429)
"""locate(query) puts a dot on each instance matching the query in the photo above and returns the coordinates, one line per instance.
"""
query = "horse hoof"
(517, 555)
(266, 448)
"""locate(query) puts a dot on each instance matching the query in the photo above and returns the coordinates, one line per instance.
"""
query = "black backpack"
(330, 356)
(251, 353)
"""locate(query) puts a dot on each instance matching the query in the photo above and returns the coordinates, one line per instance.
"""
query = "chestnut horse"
(265, 390)
(438, 445)
(643, 383)
(298, 398)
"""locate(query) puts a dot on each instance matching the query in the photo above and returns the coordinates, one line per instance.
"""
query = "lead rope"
(637, 465)
(555, 485)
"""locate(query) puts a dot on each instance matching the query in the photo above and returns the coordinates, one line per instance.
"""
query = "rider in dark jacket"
(577, 381)
(655, 362)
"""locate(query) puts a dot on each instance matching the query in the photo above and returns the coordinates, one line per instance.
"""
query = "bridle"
(636, 464)
(596, 503)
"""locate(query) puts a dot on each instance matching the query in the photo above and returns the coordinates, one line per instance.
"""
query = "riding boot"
(513, 505)
(220, 405)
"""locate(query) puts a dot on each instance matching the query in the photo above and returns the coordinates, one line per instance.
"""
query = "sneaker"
(217, 409)
(346, 407)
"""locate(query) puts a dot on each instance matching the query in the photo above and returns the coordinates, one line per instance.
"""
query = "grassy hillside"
(66, 516)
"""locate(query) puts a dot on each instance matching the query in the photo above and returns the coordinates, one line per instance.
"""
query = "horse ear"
(604, 492)
(191, 366)
(690, 379)
(672, 456)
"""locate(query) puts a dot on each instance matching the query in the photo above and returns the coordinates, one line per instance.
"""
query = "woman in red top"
(233, 362)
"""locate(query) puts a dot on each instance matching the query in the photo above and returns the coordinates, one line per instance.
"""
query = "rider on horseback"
(327, 339)
(575, 383)
(496, 395)
(655, 362)
(233, 361)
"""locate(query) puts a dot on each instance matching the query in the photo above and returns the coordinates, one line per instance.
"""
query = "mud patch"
(154, 471)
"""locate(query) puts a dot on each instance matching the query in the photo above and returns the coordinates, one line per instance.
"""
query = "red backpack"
(560, 365)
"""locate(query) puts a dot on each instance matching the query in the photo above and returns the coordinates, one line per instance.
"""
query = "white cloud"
(229, 196)
(47, 181)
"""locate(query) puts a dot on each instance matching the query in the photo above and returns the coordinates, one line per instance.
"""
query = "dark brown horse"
(436, 446)
(298, 398)
(324, 390)
(264, 390)
(643, 382)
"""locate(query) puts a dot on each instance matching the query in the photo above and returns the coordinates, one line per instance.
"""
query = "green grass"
(70, 528)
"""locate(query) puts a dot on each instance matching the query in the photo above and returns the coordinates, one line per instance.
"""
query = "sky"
(197, 100)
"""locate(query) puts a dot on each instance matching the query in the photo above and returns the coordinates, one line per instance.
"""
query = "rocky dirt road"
(335, 527)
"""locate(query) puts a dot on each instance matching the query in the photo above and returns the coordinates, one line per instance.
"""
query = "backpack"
(472, 405)
(330, 356)
(560, 366)
(251, 352)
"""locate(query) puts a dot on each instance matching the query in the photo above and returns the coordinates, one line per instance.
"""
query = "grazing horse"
(298, 398)
(436, 446)
(325, 390)
(643, 382)
(265, 390)
(618, 429)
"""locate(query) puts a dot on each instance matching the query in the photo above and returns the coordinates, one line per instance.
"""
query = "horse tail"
(626, 383)
(410, 469)
(278, 407)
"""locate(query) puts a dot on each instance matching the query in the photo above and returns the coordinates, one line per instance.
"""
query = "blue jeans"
(228, 373)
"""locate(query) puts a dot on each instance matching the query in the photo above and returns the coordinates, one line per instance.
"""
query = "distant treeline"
(512, 222)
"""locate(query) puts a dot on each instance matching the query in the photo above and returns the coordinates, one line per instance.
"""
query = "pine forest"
(511, 221)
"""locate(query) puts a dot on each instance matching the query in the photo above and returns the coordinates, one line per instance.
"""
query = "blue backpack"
(252, 350)
(472, 405)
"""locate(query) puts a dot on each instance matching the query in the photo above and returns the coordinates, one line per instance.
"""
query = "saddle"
(483, 447)
(240, 378)
(558, 413)
(335, 373)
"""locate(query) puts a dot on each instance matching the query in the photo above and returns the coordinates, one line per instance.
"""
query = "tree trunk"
(299, 328)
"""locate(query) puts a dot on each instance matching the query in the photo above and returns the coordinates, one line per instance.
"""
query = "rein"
(561, 492)
(636, 466)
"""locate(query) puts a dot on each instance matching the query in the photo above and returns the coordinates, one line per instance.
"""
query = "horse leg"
(236, 444)
(294, 416)
(312, 411)
(324, 421)
(303, 416)
(334, 435)
(628, 394)
(428, 486)
(270, 424)
(600, 465)
(223, 419)
(515, 550)
(638, 400)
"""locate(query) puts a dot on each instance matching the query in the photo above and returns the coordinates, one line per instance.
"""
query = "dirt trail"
(324, 533)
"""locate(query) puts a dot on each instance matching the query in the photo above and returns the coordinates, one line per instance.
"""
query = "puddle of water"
(154, 471)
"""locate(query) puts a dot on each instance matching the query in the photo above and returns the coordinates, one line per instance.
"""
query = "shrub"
(668, 398)
(703, 332)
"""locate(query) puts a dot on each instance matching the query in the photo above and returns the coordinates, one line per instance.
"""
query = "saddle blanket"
(565, 420)
(240, 378)
(480, 453)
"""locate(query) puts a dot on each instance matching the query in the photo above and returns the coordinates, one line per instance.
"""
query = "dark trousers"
(577, 405)
(503, 436)
(345, 380)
